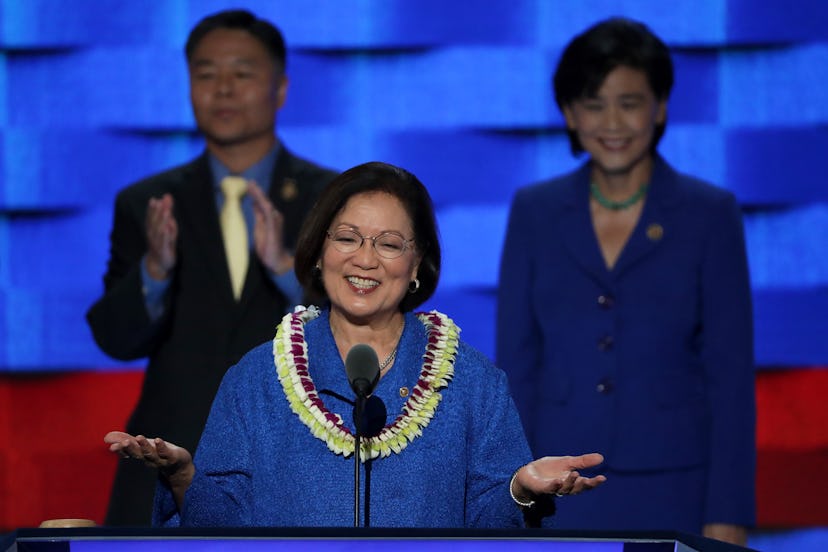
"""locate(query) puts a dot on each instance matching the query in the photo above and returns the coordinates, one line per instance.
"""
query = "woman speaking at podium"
(279, 443)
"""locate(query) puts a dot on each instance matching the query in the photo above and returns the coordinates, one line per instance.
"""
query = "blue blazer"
(650, 363)
(259, 465)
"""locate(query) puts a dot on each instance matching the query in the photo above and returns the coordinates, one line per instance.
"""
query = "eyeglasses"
(388, 245)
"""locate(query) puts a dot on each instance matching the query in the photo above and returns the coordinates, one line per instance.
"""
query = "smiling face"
(617, 125)
(236, 89)
(363, 286)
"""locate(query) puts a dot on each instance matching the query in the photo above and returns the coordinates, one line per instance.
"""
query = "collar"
(260, 172)
(663, 191)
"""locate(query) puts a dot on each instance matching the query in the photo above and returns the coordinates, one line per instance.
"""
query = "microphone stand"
(366, 509)
(362, 369)
(359, 409)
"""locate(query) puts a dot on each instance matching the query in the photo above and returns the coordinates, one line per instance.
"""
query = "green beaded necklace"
(595, 191)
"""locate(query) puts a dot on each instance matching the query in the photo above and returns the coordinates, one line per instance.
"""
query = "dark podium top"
(100, 539)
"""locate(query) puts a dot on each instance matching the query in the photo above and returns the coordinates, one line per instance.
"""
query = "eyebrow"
(205, 62)
(626, 96)
(349, 226)
(633, 96)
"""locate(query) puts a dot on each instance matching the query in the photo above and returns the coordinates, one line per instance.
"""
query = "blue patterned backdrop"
(93, 95)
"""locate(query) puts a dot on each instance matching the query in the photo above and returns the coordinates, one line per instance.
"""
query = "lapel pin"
(289, 189)
(655, 232)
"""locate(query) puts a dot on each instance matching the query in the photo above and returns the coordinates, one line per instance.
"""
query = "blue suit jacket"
(258, 464)
(650, 363)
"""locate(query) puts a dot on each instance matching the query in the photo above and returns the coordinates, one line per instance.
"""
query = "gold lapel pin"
(289, 189)
(655, 231)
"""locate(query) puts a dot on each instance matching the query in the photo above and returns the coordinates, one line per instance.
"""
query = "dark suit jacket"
(204, 330)
(650, 363)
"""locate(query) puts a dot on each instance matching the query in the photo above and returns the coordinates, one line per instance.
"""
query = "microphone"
(362, 369)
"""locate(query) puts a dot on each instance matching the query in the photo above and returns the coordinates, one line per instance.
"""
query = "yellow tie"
(234, 231)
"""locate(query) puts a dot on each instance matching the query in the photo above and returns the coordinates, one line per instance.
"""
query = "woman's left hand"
(556, 475)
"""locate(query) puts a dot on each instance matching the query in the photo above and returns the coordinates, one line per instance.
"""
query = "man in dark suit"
(168, 292)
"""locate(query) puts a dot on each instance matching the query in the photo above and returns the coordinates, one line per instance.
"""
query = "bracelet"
(512, 494)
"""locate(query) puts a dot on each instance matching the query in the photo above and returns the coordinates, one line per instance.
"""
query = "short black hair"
(265, 31)
(592, 55)
(368, 178)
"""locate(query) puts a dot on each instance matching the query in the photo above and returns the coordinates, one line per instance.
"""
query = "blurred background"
(94, 95)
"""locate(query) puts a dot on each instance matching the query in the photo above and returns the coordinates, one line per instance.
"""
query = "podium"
(100, 539)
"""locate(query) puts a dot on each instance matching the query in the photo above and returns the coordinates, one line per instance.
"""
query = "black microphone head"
(374, 417)
(362, 369)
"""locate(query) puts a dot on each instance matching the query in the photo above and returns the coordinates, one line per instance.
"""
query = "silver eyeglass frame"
(407, 244)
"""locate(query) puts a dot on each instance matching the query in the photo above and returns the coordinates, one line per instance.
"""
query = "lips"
(362, 284)
(613, 143)
(224, 113)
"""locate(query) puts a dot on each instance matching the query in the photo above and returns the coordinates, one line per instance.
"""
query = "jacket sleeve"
(221, 494)
(517, 337)
(119, 320)
(729, 365)
(498, 448)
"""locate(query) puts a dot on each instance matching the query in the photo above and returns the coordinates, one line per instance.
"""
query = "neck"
(617, 205)
(381, 334)
(620, 184)
(240, 157)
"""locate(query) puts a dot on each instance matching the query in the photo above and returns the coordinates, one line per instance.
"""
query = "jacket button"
(604, 386)
(606, 301)
(606, 343)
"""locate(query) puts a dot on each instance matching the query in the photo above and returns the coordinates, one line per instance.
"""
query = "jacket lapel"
(196, 206)
(654, 223)
(576, 229)
(282, 192)
(287, 195)
(283, 187)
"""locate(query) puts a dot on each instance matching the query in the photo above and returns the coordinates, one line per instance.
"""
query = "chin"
(618, 166)
(223, 138)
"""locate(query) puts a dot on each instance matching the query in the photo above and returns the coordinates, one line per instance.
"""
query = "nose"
(612, 117)
(224, 84)
(366, 255)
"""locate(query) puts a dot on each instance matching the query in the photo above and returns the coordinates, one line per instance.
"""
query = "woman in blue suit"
(624, 307)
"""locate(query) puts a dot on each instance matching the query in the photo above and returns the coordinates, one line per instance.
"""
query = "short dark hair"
(367, 178)
(265, 31)
(592, 55)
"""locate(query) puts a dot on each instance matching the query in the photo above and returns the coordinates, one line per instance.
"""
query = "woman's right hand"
(173, 462)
